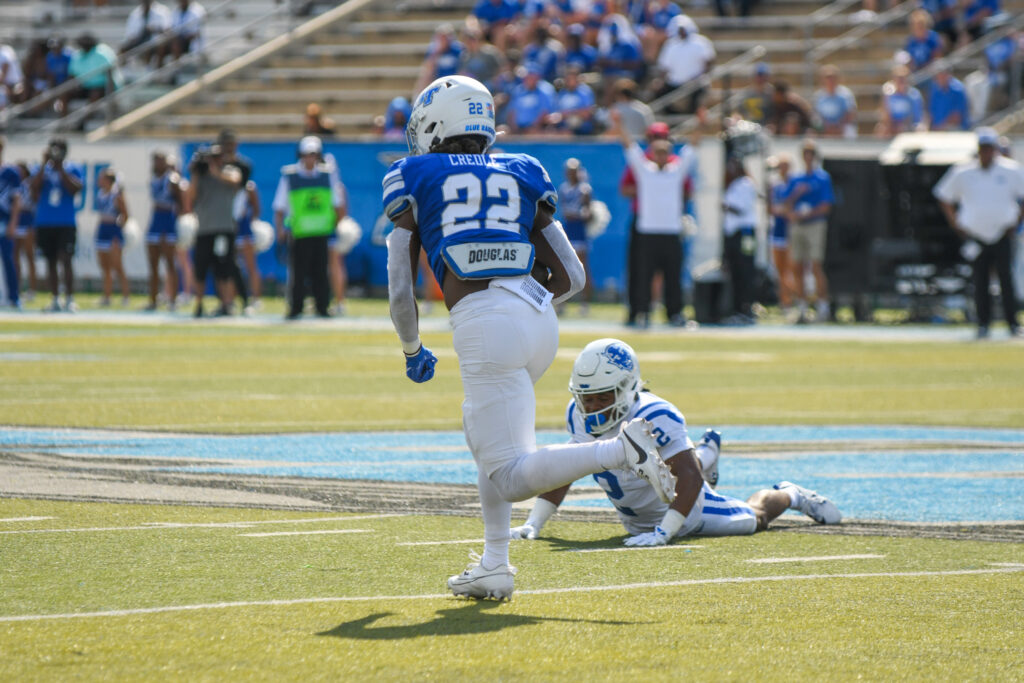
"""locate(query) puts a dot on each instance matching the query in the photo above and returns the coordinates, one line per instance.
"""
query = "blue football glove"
(419, 367)
(656, 537)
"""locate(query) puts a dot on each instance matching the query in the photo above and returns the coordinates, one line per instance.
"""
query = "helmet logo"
(618, 357)
(428, 96)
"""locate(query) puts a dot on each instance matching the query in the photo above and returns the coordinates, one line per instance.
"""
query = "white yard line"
(25, 519)
(308, 533)
(545, 591)
(466, 540)
(616, 550)
(819, 558)
(150, 526)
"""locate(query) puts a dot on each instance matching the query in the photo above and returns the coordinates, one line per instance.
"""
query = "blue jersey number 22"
(463, 194)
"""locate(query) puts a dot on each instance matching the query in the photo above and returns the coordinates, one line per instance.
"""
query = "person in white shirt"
(146, 22)
(11, 76)
(661, 198)
(982, 200)
(739, 208)
(187, 24)
(685, 57)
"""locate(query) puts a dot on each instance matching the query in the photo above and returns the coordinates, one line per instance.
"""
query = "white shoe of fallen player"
(814, 505)
(643, 459)
(712, 439)
(480, 583)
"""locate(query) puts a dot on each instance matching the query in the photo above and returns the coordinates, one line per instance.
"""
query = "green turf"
(235, 379)
(951, 627)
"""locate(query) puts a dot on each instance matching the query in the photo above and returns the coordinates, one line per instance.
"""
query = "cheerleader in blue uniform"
(25, 233)
(113, 212)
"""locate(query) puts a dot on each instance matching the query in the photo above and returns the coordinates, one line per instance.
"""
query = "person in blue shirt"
(575, 104)
(444, 52)
(25, 233)
(808, 206)
(618, 54)
(943, 14)
(835, 105)
(494, 16)
(112, 210)
(546, 52)
(162, 236)
(902, 105)
(948, 108)
(924, 45)
(778, 199)
(574, 196)
(54, 187)
(486, 224)
(976, 14)
(654, 19)
(531, 103)
(579, 54)
(10, 209)
(58, 61)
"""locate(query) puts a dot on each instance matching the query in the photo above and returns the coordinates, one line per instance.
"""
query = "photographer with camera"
(210, 195)
(54, 186)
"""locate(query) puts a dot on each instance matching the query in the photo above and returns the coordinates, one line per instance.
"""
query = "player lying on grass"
(607, 390)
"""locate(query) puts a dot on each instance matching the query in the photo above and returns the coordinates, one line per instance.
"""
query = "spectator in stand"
(187, 24)
(445, 52)
(509, 78)
(653, 26)
(393, 123)
(316, 123)
(943, 14)
(999, 59)
(754, 103)
(546, 52)
(494, 16)
(635, 116)
(33, 70)
(741, 7)
(618, 50)
(786, 104)
(11, 78)
(531, 103)
(480, 60)
(902, 105)
(574, 196)
(95, 67)
(948, 108)
(809, 204)
(976, 15)
(575, 105)
(577, 53)
(146, 22)
(685, 57)
(924, 45)
(58, 61)
(835, 105)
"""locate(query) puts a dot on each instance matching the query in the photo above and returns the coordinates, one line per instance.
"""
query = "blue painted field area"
(913, 474)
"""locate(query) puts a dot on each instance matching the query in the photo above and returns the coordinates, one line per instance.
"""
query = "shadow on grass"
(566, 545)
(457, 621)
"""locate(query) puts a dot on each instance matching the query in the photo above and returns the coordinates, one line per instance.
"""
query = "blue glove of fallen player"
(419, 367)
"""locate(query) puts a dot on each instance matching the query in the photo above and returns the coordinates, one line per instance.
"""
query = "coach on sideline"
(989, 191)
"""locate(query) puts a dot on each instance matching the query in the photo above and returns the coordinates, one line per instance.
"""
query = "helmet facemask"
(603, 366)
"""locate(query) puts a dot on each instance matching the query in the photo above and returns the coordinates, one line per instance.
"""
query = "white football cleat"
(814, 505)
(643, 459)
(480, 583)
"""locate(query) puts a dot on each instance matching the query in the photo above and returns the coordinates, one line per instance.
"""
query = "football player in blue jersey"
(485, 222)
(606, 391)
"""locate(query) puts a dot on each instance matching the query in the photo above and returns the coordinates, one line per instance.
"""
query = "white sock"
(497, 514)
(554, 466)
(706, 455)
(795, 498)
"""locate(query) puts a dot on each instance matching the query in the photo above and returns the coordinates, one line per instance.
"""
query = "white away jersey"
(638, 505)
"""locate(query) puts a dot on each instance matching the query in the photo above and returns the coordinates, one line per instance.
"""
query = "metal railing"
(734, 65)
(112, 95)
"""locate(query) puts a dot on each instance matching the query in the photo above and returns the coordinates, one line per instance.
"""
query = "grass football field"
(143, 591)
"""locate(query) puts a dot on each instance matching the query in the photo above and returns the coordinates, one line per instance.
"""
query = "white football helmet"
(605, 365)
(450, 106)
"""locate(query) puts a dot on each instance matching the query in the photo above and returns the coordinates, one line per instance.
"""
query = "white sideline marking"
(308, 533)
(617, 550)
(467, 540)
(819, 558)
(543, 591)
(150, 526)
(25, 519)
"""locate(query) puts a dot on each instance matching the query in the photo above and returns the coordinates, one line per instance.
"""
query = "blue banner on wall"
(363, 165)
